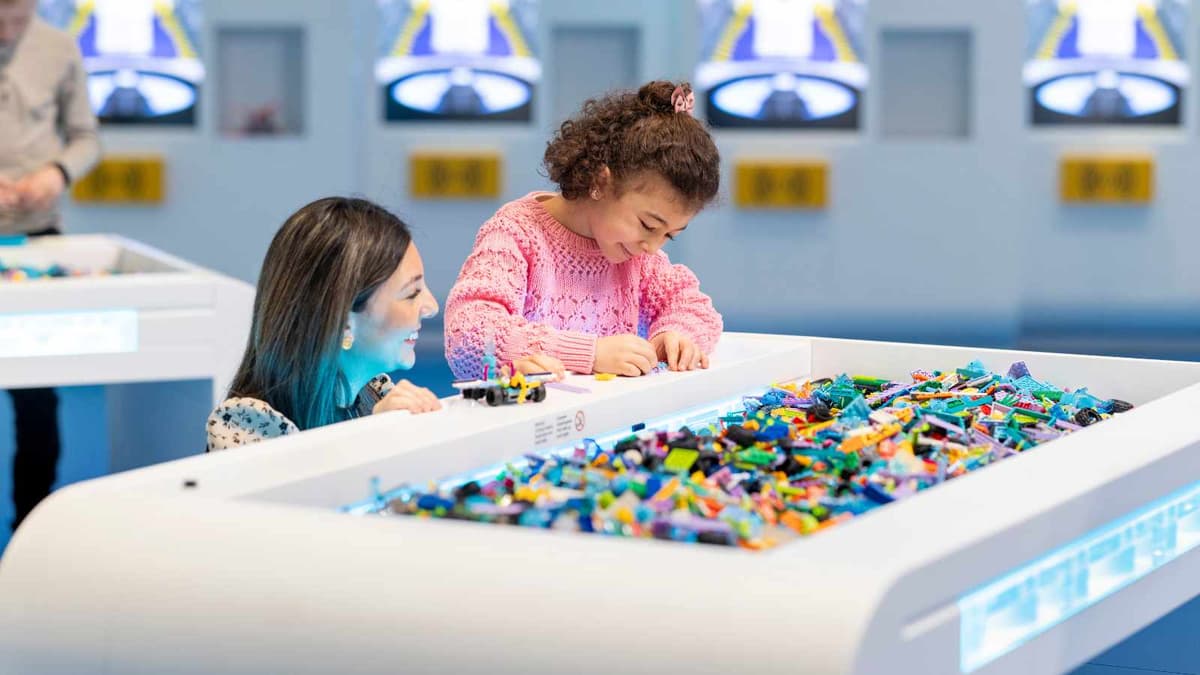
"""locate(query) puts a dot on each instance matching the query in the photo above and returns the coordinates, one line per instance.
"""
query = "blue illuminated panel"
(112, 331)
(1015, 608)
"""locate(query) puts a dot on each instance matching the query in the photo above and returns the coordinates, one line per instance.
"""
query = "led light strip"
(112, 331)
(1007, 612)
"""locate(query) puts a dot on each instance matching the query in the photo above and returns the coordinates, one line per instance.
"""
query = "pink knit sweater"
(532, 286)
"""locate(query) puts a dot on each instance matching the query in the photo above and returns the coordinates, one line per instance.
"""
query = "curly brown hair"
(630, 132)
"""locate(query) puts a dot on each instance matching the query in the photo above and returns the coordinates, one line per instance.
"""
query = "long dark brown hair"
(325, 262)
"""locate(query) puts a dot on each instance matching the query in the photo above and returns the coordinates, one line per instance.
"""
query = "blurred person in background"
(47, 140)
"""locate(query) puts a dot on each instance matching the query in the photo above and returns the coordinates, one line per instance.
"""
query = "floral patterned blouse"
(242, 421)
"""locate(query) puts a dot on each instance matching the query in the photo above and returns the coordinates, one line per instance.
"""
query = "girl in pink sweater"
(578, 275)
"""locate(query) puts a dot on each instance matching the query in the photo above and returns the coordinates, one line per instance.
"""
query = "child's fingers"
(540, 363)
(671, 347)
(630, 369)
(644, 349)
(704, 360)
(643, 363)
(686, 353)
(549, 364)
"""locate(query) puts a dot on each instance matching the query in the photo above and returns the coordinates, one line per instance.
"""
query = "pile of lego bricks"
(800, 458)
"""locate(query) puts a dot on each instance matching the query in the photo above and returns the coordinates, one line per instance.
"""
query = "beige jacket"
(45, 116)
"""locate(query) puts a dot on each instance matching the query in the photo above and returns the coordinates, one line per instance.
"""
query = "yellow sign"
(782, 185)
(1107, 179)
(124, 180)
(455, 175)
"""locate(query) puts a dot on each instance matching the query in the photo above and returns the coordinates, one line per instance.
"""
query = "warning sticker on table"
(554, 429)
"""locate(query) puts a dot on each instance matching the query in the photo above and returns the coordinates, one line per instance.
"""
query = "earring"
(596, 194)
(347, 340)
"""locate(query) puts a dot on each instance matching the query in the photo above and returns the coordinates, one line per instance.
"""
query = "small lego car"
(505, 389)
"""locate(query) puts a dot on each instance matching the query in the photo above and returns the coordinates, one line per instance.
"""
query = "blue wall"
(987, 202)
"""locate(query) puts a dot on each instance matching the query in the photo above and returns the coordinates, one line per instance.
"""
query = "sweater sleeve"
(671, 300)
(77, 122)
(486, 305)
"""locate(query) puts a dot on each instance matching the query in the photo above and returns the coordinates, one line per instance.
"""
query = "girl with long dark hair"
(339, 304)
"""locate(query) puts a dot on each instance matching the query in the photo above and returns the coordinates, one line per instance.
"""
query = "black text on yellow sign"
(455, 175)
(781, 185)
(1106, 179)
(124, 180)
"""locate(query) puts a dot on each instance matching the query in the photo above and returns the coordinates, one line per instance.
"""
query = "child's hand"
(408, 396)
(627, 355)
(540, 363)
(679, 351)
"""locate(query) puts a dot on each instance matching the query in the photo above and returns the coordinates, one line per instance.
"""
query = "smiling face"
(385, 331)
(639, 220)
